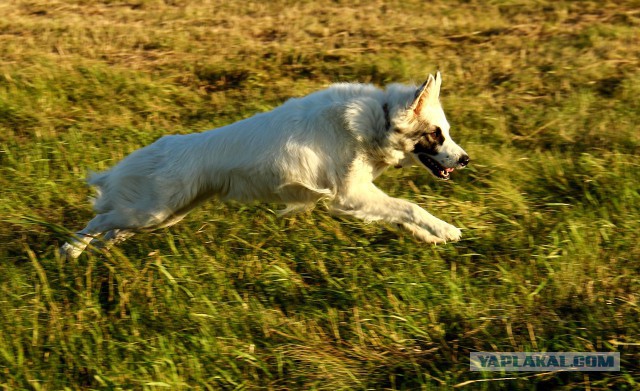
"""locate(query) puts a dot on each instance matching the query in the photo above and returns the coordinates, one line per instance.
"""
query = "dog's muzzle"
(437, 169)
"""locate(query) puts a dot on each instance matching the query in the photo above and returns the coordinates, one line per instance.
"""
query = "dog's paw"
(69, 251)
(421, 233)
(448, 232)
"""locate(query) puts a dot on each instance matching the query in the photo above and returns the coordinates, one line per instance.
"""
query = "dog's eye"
(436, 133)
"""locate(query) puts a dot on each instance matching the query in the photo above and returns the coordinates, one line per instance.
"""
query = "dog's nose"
(464, 160)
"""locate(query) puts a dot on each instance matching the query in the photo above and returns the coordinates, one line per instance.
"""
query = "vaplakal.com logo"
(544, 361)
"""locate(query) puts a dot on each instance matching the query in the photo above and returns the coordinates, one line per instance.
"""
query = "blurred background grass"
(542, 94)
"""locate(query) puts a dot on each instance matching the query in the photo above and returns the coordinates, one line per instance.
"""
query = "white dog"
(329, 145)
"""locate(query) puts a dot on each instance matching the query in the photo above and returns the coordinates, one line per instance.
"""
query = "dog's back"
(295, 154)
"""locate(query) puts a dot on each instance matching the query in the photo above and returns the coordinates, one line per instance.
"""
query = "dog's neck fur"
(375, 127)
(395, 148)
(387, 119)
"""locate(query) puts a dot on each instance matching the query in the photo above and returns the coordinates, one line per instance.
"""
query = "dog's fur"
(329, 145)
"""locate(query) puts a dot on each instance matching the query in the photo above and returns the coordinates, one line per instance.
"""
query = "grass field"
(544, 95)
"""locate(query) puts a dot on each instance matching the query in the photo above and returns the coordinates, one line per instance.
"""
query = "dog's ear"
(430, 90)
(438, 82)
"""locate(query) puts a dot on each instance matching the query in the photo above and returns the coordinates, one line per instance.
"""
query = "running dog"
(327, 146)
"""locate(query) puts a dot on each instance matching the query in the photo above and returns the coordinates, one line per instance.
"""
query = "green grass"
(542, 94)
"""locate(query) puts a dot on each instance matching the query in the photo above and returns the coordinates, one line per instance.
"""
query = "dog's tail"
(99, 180)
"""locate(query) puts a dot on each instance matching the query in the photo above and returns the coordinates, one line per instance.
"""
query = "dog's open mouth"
(436, 168)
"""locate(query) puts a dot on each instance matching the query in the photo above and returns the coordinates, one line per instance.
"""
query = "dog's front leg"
(371, 204)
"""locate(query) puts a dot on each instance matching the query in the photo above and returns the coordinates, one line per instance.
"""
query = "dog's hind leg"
(81, 239)
(115, 224)
(111, 238)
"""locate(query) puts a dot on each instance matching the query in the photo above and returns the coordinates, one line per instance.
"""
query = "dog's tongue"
(449, 169)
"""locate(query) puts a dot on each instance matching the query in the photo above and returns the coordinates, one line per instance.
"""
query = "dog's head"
(425, 132)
